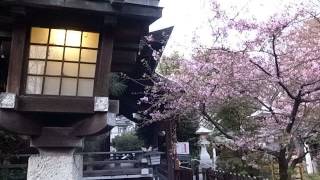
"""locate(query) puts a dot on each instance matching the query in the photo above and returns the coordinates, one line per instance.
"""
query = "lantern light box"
(62, 62)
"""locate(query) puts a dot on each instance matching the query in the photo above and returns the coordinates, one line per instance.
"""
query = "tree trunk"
(283, 166)
(283, 171)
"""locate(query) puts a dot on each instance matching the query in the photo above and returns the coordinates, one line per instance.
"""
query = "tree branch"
(310, 83)
(276, 61)
(269, 108)
(301, 157)
(294, 112)
(260, 67)
(286, 90)
(269, 151)
(298, 160)
(310, 100)
(311, 91)
(216, 124)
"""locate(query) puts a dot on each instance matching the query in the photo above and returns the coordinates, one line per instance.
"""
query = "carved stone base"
(56, 137)
(55, 165)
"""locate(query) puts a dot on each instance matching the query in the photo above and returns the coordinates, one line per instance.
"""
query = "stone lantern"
(205, 161)
(62, 53)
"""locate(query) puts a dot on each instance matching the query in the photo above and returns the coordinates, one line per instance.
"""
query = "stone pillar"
(56, 159)
(55, 164)
(214, 158)
(309, 162)
(205, 161)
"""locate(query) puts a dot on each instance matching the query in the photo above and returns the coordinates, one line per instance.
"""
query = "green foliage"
(127, 142)
(117, 85)
(186, 129)
(146, 133)
(246, 164)
(11, 144)
(6, 174)
(312, 177)
(96, 143)
(234, 114)
(169, 65)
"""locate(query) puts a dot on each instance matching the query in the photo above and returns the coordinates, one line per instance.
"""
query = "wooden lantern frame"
(44, 103)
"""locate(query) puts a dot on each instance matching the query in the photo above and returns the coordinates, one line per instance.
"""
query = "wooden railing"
(106, 165)
(126, 164)
(14, 168)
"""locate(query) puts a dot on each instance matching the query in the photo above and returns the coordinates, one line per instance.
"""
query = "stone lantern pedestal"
(205, 161)
(54, 165)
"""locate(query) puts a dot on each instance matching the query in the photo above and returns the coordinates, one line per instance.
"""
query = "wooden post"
(171, 149)
(197, 173)
(272, 170)
(155, 140)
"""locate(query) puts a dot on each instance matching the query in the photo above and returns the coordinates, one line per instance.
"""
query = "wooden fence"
(211, 174)
(184, 173)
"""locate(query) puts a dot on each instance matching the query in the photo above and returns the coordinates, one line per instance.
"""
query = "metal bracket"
(101, 104)
(7, 101)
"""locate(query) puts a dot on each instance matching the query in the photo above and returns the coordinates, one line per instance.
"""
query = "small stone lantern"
(205, 161)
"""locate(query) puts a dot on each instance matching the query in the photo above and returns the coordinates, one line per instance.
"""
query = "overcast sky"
(190, 17)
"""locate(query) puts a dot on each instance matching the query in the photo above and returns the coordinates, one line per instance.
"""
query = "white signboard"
(182, 148)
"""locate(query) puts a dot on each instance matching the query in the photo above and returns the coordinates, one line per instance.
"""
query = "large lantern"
(62, 52)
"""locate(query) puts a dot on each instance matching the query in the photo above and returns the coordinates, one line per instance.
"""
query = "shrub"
(127, 142)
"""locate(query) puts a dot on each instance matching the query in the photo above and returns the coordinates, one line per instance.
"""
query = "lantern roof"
(139, 9)
(135, 91)
(203, 130)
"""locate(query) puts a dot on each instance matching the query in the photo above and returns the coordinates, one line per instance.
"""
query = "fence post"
(203, 171)
(301, 172)
(196, 172)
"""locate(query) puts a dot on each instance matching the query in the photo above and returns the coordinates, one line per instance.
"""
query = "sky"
(190, 18)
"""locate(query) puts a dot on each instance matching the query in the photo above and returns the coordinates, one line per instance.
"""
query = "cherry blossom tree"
(275, 66)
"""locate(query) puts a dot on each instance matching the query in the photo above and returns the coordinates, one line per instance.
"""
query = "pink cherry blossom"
(277, 68)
